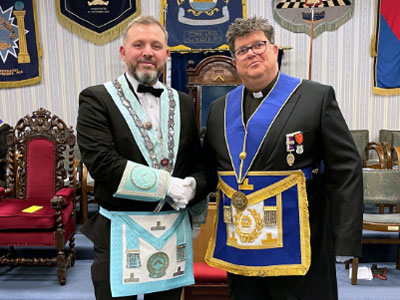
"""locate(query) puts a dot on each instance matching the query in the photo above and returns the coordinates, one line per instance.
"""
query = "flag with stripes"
(295, 15)
(386, 49)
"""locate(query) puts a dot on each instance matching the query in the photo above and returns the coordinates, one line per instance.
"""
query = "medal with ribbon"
(294, 142)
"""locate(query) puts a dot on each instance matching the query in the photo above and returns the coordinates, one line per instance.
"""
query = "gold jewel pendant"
(239, 200)
(290, 159)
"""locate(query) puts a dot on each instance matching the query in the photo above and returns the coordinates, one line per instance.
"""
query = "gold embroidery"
(243, 226)
(232, 238)
(245, 186)
(269, 239)
(227, 214)
(294, 178)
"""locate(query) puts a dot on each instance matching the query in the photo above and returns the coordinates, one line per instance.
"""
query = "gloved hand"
(342, 259)
(196, 231)
(181, 190)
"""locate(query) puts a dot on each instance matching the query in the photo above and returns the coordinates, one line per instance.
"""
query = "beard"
(146, 77)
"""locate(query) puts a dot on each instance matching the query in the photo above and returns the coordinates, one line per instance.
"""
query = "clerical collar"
(263, 92)
(257, 95)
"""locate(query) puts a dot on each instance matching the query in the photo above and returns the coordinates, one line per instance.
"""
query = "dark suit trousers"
(256, 288)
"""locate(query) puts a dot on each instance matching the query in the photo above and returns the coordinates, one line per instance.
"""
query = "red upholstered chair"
(36, 208)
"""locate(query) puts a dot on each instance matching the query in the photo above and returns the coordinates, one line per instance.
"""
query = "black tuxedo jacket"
(106, 143)
(335, 197)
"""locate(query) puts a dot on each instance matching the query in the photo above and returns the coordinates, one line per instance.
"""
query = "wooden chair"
(212, 78)
(36, 207)
(210, 283)
(395, 148)
(390, 138)
(381, 187)
(364, 147)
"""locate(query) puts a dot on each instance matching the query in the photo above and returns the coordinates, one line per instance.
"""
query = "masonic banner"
(20, 51)
(295, 15)
(199, 25)
(97, 21)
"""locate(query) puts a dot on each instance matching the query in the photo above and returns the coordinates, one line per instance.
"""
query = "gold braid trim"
(273, 270)
(267, 192)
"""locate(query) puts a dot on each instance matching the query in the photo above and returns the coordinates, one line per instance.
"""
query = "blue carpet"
(40, 283)
(369, 289)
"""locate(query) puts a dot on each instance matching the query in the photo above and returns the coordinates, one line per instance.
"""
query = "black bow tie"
(149, 89)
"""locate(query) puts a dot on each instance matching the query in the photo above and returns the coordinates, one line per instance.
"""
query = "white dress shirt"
(150, 104)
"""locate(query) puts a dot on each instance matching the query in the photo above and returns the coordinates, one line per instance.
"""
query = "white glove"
(342, 259)
(195, 231)
(181, 190)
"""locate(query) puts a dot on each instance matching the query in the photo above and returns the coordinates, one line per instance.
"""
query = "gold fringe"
(37, 79)
(386, 92)
(162, 18)
(303, 28)
(276, 270)
(92, 36)
(21, 83)
(185, 49)
(373, 45)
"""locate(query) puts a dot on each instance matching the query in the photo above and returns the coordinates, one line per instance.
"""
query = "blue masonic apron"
(262, 220)
(149, 252)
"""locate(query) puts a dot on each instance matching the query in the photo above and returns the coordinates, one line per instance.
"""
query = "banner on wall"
(97, 21)
(295, 15)
(386, 48)
(20, 51)
(199, 25)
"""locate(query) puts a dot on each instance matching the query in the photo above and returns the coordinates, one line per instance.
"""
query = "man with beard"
(140, 143)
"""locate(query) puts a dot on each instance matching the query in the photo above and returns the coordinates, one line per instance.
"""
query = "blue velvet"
(288, 254)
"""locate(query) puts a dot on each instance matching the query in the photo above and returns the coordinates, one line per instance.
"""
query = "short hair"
(241, 27)
(144, 20)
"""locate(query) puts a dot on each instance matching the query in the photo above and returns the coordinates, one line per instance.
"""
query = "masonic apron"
(150, 251)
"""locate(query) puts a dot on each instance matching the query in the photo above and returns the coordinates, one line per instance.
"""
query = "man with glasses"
(290, 194)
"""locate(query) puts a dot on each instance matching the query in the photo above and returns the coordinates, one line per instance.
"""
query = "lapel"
(276, 129)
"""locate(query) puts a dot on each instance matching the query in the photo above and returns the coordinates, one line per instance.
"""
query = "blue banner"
(200, 24)
(96, 20)
(19, 44)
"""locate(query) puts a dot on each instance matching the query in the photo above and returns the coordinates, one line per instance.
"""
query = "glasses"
(257, 48)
